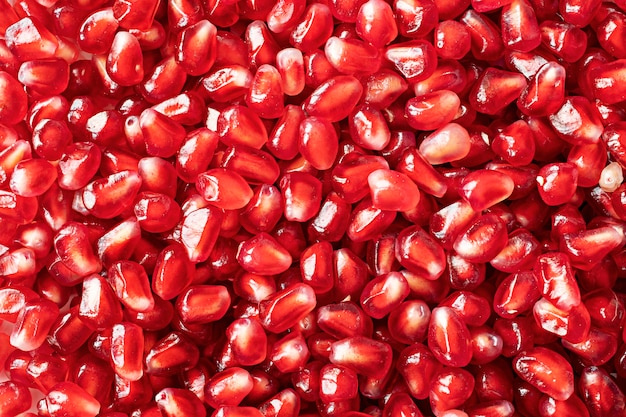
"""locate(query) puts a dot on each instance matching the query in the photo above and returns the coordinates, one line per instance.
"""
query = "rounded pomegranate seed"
(392, 190)
(547, 371)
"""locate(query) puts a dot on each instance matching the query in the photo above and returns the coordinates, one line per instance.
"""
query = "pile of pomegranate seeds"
(333, 208)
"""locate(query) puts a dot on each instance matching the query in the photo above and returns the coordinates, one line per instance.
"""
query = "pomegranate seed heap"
(343, 208)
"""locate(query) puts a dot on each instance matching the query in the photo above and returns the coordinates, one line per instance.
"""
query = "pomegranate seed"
(506, 86)
(486, 37)
(448, 143)
(171, 264)
(66, 397)
(383, 294)
(177, 401)
(450, 389)
(334, 99)
(228, 388)
(33, 323)
(600, 392)
(29, 39)
(556, 376)
(386, 186)
(285, 308)
(16, 398)
(576, 122)
(452, 39)
(170, 355)
(556, 280)
(363, 355)
(131, 285)
(448, 337)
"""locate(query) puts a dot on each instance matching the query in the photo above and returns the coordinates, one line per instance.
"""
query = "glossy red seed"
(334, 99)
(375, 23)
(171, 354)
(15, 398)
(392, 190)
(449, 338)
(99, 307)
(600, 392)
(486, 37)
(29, 39)
(173, 271)
(450, 389)
(14, 110)
(127, 344)
(557, 183)
(449, 143)
(318, 142)
(452, 39)
(131, 285)
(520, 29)
(124, 62)
(110, 196)
(547, 371)
(302, 196)
(556, 280)
(363, 355)
(33, 323)
(203, 304)
(383, 294)
(417, 251)
(285, 308)
(228, 388)
(67, 396)
(576, 121)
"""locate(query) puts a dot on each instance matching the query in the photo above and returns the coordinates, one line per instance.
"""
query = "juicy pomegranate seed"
(547, 371)
(170, 355)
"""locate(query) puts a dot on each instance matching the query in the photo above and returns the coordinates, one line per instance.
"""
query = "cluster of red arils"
(338, 208)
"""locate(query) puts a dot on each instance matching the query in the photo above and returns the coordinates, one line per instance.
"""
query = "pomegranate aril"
(131, 285)
(226, 83)
(363, 355)
(66, 397)
(600, 392)
(449, 338)
(334, 99)
(451, 39)
(449, 143)
(495, 89)
(73, 246)
(170, 355)
(69, 333)
(450, 389)
(127, 345)
(15, 398)
(33, 323)
(547, 371)
(228, 388)
(486, 40)
(99, 307)
(577, 122)
(347, 55)
(173, 272)
(165, 80)
(177, 401)
(119, 242)
(393, 191)
(203, 304)
(29, 39)
(383, 294)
